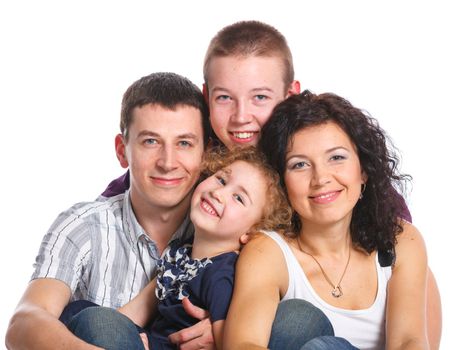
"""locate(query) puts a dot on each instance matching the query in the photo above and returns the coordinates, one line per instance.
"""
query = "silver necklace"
(336, 289)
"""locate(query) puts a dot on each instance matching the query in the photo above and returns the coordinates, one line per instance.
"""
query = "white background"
(64, 66)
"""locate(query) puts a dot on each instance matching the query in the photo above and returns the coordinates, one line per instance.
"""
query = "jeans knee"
(301, 312)
(297, 321)
(95, 316)
(105, 327)
(73, 308)
(294, 306)
(328, 343)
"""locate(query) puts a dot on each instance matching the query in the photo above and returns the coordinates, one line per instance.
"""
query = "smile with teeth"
(324, 198)
(243, 135)
(208, 208)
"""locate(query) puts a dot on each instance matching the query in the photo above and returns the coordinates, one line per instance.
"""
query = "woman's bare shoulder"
(263, 256)
(410, 244)
(262, 243)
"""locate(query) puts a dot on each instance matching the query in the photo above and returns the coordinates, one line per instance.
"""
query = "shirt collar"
(135, 231)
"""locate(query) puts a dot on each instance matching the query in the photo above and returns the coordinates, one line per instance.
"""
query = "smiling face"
(323, 174)
(242, 91)
(163, 150)
(227, 204)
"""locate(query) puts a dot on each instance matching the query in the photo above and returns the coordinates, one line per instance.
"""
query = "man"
(105, 251)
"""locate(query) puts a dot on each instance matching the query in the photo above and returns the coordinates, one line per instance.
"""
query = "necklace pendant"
(337, 292)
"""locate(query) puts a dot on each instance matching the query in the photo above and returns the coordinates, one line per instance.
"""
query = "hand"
(198, 336)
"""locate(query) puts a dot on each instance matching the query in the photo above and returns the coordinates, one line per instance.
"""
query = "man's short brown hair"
(168, 90)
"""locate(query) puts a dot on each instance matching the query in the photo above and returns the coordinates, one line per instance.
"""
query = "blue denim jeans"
(298, 325)
(101, 326)
(326, 342)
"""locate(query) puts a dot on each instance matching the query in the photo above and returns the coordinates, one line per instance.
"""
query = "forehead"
(164, 121)
(247, 175)
(320, 137)
(246, 72)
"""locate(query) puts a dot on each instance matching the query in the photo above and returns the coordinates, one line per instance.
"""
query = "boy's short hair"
(168, 90)
(277, 211)
(250, 38)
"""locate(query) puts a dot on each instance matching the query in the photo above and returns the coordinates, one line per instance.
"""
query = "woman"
(348, 253)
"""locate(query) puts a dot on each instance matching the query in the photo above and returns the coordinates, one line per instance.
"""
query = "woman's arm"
(406, 304)
(142, 308)
(261, 277)
(434, 314)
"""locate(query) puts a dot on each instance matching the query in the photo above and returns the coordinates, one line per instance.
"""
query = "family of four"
(304, 186)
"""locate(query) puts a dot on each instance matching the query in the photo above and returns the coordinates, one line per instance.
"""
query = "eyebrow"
(264, 88)
(336, 148)
(187, 135)
(330, 150)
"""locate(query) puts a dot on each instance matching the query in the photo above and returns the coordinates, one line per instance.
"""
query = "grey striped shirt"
(101, 252)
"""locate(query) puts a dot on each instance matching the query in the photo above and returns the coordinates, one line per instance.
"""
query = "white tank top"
(364, 328)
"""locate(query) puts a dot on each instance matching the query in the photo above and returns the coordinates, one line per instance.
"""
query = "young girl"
(241, 196)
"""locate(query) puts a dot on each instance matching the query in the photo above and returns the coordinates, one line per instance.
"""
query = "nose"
(218, 194)
(241, 113)
(167, 159)
(320, 175)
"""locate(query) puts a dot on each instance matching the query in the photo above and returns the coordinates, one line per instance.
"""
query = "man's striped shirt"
(101, 252)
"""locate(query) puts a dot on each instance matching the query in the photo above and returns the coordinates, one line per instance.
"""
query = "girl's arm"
(261, 277)
(142, 308)
(218, 333)
(405, 328)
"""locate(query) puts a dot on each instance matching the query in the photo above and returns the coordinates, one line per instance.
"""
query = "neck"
(161, 223)
(333, 239)
(205, 246)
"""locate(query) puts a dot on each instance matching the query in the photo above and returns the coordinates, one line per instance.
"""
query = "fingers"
(144, 338)
(198, 336)
(193, 310)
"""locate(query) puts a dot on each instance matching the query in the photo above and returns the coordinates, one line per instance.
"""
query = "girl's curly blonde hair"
(277, 212)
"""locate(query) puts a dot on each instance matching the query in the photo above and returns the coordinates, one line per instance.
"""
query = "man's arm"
(35, 323)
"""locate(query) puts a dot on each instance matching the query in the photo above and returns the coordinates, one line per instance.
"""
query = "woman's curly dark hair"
(375, 222)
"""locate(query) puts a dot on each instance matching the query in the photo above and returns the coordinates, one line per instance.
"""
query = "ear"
(294, 88)
(245, 238)
(206, 93)
(364, 177)
(120, 147)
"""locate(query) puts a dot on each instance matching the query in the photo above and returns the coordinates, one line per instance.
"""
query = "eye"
(150, 141)
(298, 165)
(261, 97)
(223, 98)
(239, 198)
(185, 144)
(337, 157)
(221, 180)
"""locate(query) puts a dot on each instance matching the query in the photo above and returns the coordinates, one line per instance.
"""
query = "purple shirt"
(117, 186)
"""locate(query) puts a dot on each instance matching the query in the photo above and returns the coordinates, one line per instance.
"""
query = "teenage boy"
(105, 251)
(248, 69)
